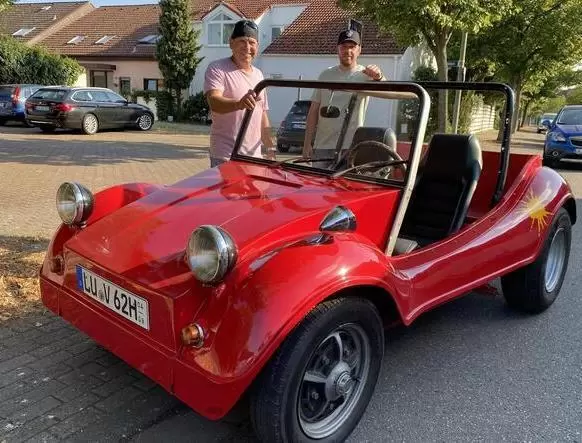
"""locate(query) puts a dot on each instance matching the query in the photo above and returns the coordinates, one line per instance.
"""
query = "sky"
(100, 2)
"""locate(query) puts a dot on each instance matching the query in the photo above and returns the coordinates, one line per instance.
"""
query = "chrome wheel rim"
(145, 122)
(90, 124)
(556, 260)
(333, 381)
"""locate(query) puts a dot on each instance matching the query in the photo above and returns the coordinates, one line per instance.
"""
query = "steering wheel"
(373, 150)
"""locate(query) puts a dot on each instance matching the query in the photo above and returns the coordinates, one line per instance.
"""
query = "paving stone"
(121, 397)
(64, 344)
(79, 388)
(50, 360)
(54, 371)
(88, 356)
(16, 362)
(112, 386)
(35, 410)
(16, 375)
(75, 423)
(124, 422)
(120, 368)
(29, 397)
(13, 390)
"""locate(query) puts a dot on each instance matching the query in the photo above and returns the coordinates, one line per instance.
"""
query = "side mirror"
(329, 112)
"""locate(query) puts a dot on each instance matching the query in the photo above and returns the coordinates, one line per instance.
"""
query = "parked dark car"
(88, 109)
(292, 129)
(12, 98)
(564, 137)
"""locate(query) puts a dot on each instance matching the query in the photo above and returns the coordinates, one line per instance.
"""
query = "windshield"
(548, 117)
(368, 133)
(570, 117)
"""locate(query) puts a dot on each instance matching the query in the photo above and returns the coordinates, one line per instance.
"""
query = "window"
(101, 96)
(125, 85)
(22, 32)
(82, 96)
(150, 84)
(104, 39)
(151, 39)
(276, 31)
(115, 98)
(220, 29)
(75, 40)
(99, 79)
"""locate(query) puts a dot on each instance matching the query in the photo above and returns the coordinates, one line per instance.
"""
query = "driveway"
(469, 371)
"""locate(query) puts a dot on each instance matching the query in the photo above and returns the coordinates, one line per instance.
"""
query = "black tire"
(550, 162)
(536, 286)
(277, 411)
(47, 128)
(90, 124)
(282, 148)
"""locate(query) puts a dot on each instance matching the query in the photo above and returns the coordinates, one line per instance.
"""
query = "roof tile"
(109, 21)
(316, 30)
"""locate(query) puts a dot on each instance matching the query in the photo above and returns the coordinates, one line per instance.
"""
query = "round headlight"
(74, 203)
(211, 253)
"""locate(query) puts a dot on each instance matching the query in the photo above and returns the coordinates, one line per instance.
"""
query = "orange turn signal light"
(193, 335)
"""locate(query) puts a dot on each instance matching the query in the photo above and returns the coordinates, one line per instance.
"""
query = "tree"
(177, 47)
(5, 4)
(537, 41)
(23, 64)
(434, 21)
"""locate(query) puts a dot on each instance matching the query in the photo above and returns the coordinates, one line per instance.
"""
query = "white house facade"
(298, 41)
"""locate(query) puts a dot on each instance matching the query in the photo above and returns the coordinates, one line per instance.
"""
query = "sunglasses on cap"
(249, 23)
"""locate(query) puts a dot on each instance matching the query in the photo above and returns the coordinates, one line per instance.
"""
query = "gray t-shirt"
(328, 129)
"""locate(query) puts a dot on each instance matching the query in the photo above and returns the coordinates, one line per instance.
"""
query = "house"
(297, 40)
(33, 22)
(115, 44)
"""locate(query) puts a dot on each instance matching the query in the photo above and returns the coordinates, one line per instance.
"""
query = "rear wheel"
(318, 384)
(145, 122)
(90, 124)
(536, 286)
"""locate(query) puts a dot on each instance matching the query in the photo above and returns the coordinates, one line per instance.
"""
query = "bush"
(165, 105)
(196, 108)
(22, 64)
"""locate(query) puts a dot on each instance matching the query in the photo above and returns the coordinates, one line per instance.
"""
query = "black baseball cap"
(245, 28)
(349, 35)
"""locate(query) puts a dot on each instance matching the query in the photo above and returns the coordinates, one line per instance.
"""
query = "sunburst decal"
(535, 209)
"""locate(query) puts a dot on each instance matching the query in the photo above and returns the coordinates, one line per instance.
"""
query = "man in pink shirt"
(228, 85)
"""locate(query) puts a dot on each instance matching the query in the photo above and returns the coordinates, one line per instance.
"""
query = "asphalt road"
(471, 370)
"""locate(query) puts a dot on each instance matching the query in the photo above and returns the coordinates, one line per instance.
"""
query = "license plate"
(119, 300)
(41, 108)
(299, 126)
(578, 150)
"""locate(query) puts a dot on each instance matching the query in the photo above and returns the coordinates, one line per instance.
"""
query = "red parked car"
(277, 279)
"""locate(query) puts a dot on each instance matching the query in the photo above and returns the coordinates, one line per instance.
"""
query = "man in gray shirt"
(348, 69)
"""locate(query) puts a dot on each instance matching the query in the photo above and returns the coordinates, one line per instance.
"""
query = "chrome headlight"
(211, 253)
(557, 136)
(74, 203)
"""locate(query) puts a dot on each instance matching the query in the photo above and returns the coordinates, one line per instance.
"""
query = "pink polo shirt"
(233, 82)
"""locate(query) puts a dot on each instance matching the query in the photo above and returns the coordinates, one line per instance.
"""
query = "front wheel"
(536, 286)
(145, 122)
(320, 381)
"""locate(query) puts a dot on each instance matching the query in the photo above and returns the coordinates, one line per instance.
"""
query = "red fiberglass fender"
(106, 201)
(249, 318)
